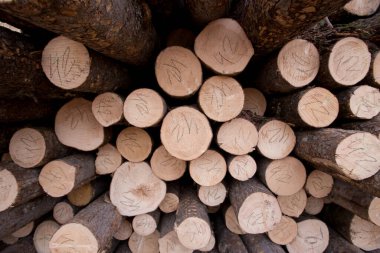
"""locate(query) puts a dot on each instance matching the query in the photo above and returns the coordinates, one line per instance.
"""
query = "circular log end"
(254, 101)
(242, 167)
(9, 239)
(284, 232)
(165, 166)
(24, 231)
(42, 235)
(124, 232)
(212, 195)
(8, 189)
(81, 196)
(107, 108)
(293, 205)
(108, 159)
(144, 224)
(364, 234)
(169, 203)
(365, 102)
(63, 212)
(314, 205)
(319, 184)
(194, 233)
(362, 8)
(134, 144)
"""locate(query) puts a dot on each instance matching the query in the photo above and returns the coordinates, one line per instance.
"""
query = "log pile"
(236, 127)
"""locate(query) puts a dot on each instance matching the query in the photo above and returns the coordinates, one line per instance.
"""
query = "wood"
(186, 133)
(125, 231)
(209, 169)
(373, 76)
(372, 126)
(86, 233)
(212, 195)
(23, 245)
(77, 127)
(313, 107)
(192, 222)
(178, 71)
(242, 167)
(256, 207)
(108, 159)
(24, 231)
(132, 39)
(254, 101)
(284, 232)
(108, 108)
(283, 177)
(134, 144)
(181, 37)
(59, 177)
(232, 222)
(42, 235)
(237, 137)
(64, 212)
(293, 205)
(295, 66)
(69, 65)
(33, 147)
(314, 205)
(226, 240)
(135, 189)
(171, 200)
(260, 243)
(339, 244)
(203, 11)
(210, 245)
(17, 185)
(165, 166)
(145, 224)
(312, 236)
(362, 8)
(221, 98)
(319, 184)
(353, 154)
(144, 244)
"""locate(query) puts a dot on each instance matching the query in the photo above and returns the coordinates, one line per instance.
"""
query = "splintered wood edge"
(27, 147)
(8, 189)
(178, 71)
(224, 47)
(242, 167)
(349, 61)
(63, 212)
(165, 166)
(143, 244)
(24, 231)
(169, 203)
(42, 235)
(276, 139)
(66, 63)
(221, 98)
(237, 137)
(376, 68)
(170, 243)
(284, 232)
(144, 224)
(199, 230)
(209, 169)
(107, 108)
(254, 101)
(134, 144)
(364, 234)
(362, 7)
(259, 213)
(365, 102)
(73, 236)
(293, 205)
(373, 211)
(124, 232)
(319, 184)
(212, 195)
(57, 178)
(298, 62)
(358, 155)
(318, 107)
(314, 205)
(108, 159)
(81, 196)
(232, 222)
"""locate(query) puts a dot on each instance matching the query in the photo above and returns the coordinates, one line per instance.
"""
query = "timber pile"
(216, 126)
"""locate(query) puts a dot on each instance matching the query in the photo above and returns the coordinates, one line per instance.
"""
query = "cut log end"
(43, 234)
(169, 203)
(221, 98)
(108, 159)
(254, 101)
(63, 212)
(364, 234)
(107, 108)
(134, 144)
(284, 232)
(144, 244)
(319, 184)
(376, 69)
(242, 167)
(364, 102)
(144, 224)
(293, 205)
(24, 231)
(212, 195)
(165, 166)
(169, 243)
(373, 211)
(186, 133)
(199, 231)
(125, 231)
(362, 8)
(81, 196)
(314, 205)
(8, 189)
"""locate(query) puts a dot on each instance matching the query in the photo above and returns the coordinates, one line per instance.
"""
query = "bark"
(260, 243)
(166, 223)
(339, 244)
(123, 248)
(6, 132)
(204, 11)
(22, 245)
(372, 126)
(226, 240)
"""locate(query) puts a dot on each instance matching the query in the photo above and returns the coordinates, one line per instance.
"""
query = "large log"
(131, 39)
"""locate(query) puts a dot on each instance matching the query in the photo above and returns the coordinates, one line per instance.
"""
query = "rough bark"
(226, 240)
(23, 245)
(260, 243)
(204, 11)
(372, 126)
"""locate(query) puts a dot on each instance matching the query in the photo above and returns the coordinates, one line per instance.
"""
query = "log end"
(134, 144)
(8, 189)
(242, 167)
(254, 101)
(165, 166)
(107, 108)
(284, 232)
(194, 233)
(63, 212)
(364, 102)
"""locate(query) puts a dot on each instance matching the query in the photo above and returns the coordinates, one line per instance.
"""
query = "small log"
(313, 107)
(108, 108)
(209, 169)
(212, 195)
(203, 11)
(135, 189)
(64, 212)
(192, 222)
(134, 144)
(186, 133)
(260, 243)
(242, 167)
(293, 205)
(59, 177)
(284, 177)
(362, 8)
(42, 235)
(237, 137)
(144, 244)
(232, 222)
(284, 232)
(226, 240)
(171, 200)
(123, 248)
(254, 101)
(24, 231)
(178, 71)
(373, 76)
(181, 37)
(359, 102)
(314, 205)
(319, 184)
(372, 126)
(256, 207)
(24, 245)
(352, 154)
(108, 159)
(295, 66)
(339, 244)
(224, 47)
(125, 230)
(145, 224)
(165, 166)
(312, 236)
(221, 98)
(17, 185)
(77, 127)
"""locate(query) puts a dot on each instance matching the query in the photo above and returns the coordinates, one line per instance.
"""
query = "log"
(9, 240)
(145, 224)
(64, 212)
(181, 37)
(203, 11)
(178, 71)
(359, 102)
(293, 205)
(373, 76)
(210, 245)
(134, 144)
(314, 205)
(209, 169)
(24, 245)
(42, 235)
(352, 154)
(231, 221)
(212, 195)
(284, 177)
(224, 47)
(284, 232)
(339, 244)
(295, 66)
(242, 167)
(87, 233)
(313, 107)
(260, 243)
(319, 184)
(221, 98)
(132, 38)
(171, 200)
(192, 223)
(362, 8)
(186, 133)
(77, 127)
(17, 185)
(108, 159)
(135, 189)
(24, 231)
(372, 126)
(144, 244)
(108, 108)
(254, 101)
(33, 147)
(226, 240)
(125, 230)
(256, 207)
